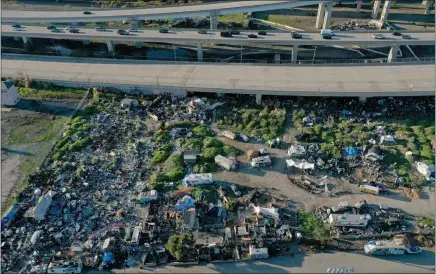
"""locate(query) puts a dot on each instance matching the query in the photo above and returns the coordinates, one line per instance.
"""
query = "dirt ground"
(28, 132)
(275, 179)
(404, 17)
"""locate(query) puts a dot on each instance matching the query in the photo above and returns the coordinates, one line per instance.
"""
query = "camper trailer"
(229, 134)
(224, 162)
(136, 236)
(371, 189)
(198, 179)
(65, 267)
(261, 161)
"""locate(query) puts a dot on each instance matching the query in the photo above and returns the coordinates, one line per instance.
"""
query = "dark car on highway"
(122, 32)
(396, 33)
(51, 27)
(73, 30)
(16, 26)
(235, 32)
(406, 36)
(326, 36)
(226, 34)
(262, 32)
(252, 36)
(87, 12)
(202, 31)
(163, 31)
(296, 35)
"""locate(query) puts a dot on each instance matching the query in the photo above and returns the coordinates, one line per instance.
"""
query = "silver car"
(378, 36)
(235, 190)
(16, 29)
(100, 29)
(55, 30)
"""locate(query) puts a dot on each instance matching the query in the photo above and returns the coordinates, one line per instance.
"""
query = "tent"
(351, 151)
(108, 257)
(185, 203)
(346, 112)
(387, 138)
(426, 170)
(268, 212)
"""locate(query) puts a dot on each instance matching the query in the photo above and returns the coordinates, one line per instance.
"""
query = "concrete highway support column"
(135, 24)
(199, 52)
(328, 16)
(376, 9)
(294, 54)
(213, 21)
(26, 40)
(277, 58)
(110, 47)
(393, 53)
(320, 16)
(138, 45)
(259, 99)
(427, 7)
(86, 42)
(385, 12)
(358, 6)
(27, 44)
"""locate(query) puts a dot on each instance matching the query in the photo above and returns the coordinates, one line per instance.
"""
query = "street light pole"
(175, 55)
(314, 52)
(241, 53)
(57, 52)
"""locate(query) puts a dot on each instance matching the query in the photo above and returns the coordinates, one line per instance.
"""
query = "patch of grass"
(60, 93)
(237, 17)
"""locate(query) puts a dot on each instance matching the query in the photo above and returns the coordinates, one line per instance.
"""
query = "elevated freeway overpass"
(177, 36)
(180, 78)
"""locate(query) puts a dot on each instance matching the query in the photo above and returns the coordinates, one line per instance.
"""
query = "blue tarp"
(346, 112)
(351, 151)
(185, 203)
(108, 257)
(9, 216)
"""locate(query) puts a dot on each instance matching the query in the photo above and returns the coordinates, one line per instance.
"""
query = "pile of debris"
(355, 25)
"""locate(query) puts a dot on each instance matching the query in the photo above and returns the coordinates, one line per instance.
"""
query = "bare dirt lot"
(28, 132)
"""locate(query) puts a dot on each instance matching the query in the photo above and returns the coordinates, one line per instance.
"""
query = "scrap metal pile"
(355, 25)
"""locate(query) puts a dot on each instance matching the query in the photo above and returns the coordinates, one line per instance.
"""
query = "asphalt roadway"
(300, 80)
(21, 16)
(192, 37)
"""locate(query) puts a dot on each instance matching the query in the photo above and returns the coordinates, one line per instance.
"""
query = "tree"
(210, 153)
(201, 131)
(230, 151)
(212, 142)
(180, 245)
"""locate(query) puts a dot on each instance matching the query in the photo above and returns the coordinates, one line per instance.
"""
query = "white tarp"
(270, 212)
(425, 170)
(387, 138)
(43, 205)
(301, 164)
(297, 150)
(35, 237)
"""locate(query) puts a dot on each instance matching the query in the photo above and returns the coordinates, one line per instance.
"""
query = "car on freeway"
(122, 32)
(51, 27)
(262, 32)
(396, 33)
(69, 27)
(132, 30)
(163, 31)
(100, 28)
(252, 36)
(87, 12)
(406, 36)
(16, 26)
(296, 35)
(235, 190)
(16, 29)
(236, 32)
(202, 31)
(226, 34)
(73, 30)
(378, 36)
(55, 30)
(326, 36)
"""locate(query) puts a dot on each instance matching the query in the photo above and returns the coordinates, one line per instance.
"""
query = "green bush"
(313, 227)
(331, 150)
(212, 142)
(175, 175)
(210, 153)
(205, 168)
(202, 131)
(231, 206)
(179, 245)
(194, 144)
(230, 151)
(159, 156)
(162, 136)
(80, 144)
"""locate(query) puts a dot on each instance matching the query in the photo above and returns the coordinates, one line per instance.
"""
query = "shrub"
(212, 142)
(194, 144)
(179, 245)
(159, 157)
(158, 177)
(210, 153)
(205, 168)
(331, 150)
(80, 144)
(313, 227)
(230, 151)
(231, 205)
(175, 174)
(201, 131)
(162, 136)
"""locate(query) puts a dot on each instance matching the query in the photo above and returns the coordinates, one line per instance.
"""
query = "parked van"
(327, 32)
(371, 189)
(243, 137)
(261, 161)
(229, 134)
(136, 236)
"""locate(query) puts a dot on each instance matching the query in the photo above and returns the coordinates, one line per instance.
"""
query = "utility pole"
(314, 52)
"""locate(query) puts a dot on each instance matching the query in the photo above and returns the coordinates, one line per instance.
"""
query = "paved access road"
(372, 80)
(192, 36)
(17, 16)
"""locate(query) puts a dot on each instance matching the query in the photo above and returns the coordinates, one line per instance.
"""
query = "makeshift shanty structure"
(258, 253)
(145, 197)
(300, 164)
(349, 220)
(185, 203)
(267, 212)
(190, 157)
(251, 154)
(296, 151)
(426, 170)
(227, 163)
(387, 138)
(374, 154)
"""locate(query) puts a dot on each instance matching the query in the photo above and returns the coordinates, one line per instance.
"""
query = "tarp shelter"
(185, 203)
(300, 164)
(346, 112)
(268, 212)
(427, 170)
(387, 138)
(351, 151)
(296, 150)
(9, 216)
(108, 257)
(43, 205)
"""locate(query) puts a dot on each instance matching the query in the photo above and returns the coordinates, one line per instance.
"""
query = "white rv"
(229, 134)
(198, 179)
(136, 236)
(261, 161)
